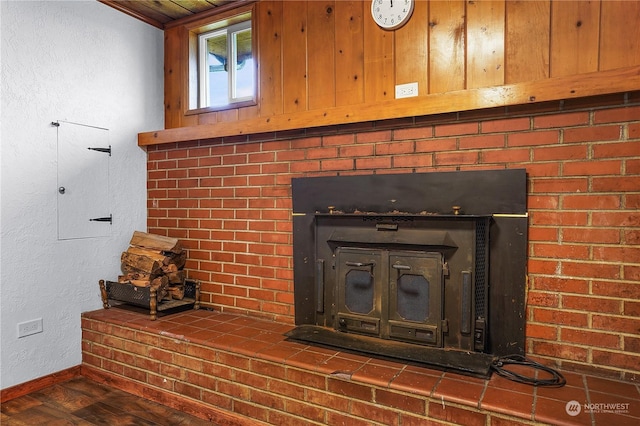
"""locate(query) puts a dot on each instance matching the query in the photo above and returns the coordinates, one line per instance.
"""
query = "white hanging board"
(83, 181)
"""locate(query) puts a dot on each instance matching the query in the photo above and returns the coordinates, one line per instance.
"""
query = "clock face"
(391, 14)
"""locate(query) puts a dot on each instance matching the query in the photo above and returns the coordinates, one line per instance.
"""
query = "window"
(226, 66)
(223, 64)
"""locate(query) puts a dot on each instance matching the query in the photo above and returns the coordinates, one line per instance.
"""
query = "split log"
(157, 242)
(133, 276)
(169, 261)
(178, 259)
(152, 254)
(176, 292)
(137, 263)
(139, 283)
(177, 277)
(160, 284)
(170, 268)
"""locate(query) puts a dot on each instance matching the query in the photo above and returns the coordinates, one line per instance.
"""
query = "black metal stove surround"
(423, 267)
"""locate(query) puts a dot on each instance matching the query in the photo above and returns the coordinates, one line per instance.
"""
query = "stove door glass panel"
(413, 297)
(359, 291)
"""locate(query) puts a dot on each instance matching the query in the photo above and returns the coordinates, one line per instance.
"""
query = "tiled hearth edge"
(237, 370)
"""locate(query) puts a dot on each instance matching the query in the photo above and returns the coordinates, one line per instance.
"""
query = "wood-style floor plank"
(83, 402)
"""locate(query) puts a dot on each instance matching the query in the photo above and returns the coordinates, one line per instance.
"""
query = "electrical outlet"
(28, 328)
(406, 90)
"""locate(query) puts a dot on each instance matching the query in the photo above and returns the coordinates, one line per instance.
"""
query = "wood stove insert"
(402, 266)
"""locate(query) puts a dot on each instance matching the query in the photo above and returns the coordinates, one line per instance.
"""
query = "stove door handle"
(359, 264)
(401, 267)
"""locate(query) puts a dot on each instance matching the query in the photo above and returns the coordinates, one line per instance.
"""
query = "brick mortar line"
(270, 378)
(583, 295)
(610, 369)
(326, 376)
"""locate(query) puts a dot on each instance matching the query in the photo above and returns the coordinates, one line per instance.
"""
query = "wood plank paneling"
(249, 112)
(328, 55)
(349, 52)
(412, 48)
(294, 56)
(620, 34)
(379, 75)
(485, 43)
(574, 36)
(270, 67)
(209, 117)
(572, 87)
(175, 77)
(527, 57)
(321, 53)
(447, 46)
(229, 115)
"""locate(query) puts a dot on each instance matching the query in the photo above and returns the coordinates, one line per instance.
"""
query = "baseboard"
(38, 384)
(170, 399)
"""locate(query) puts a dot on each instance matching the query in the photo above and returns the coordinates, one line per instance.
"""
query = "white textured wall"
(83, 62)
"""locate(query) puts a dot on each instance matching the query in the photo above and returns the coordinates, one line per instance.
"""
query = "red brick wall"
(229, 201)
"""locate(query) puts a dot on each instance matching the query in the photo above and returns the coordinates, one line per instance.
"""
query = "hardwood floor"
(81, 401)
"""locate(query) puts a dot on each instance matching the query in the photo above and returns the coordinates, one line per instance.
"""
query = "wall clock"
(391, 14)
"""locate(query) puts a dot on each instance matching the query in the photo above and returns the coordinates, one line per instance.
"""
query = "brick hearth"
(234, 369)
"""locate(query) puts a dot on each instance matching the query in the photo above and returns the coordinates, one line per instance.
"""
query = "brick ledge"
(243, 370)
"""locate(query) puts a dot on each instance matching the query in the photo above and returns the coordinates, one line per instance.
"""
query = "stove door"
(359, 290)
(415, 292)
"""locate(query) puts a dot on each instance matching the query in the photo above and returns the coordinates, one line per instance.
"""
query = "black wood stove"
(428, 268)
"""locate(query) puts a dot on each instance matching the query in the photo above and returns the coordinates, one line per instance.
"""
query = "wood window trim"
(223, 17)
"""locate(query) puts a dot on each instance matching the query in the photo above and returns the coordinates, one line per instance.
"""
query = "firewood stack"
(155, 261)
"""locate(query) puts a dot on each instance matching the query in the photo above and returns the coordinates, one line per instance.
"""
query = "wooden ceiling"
(161, 13)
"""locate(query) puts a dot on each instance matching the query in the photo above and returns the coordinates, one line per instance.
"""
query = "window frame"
(218, 22)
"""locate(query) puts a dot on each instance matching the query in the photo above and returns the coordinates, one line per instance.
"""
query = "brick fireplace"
(230, 201)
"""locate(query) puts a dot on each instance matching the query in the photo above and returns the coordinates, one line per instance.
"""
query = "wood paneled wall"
(325, 55)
